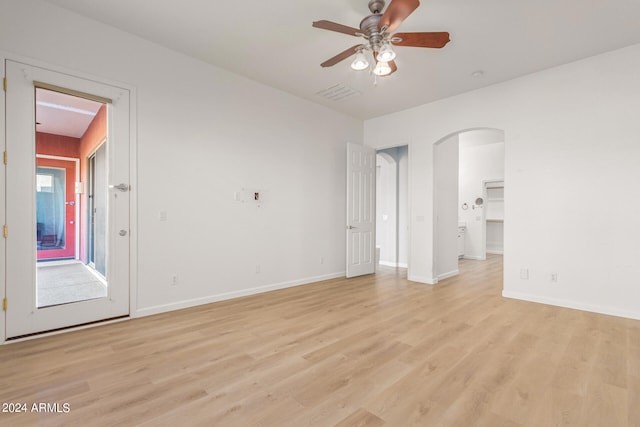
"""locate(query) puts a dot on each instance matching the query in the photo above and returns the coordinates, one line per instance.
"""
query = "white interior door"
(361, 202)
(25, 314)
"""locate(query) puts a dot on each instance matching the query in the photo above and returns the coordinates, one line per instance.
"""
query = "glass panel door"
(56, 208)
(51, 219)
(96, 211)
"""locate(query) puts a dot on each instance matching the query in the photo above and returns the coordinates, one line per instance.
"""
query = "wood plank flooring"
(371, 351)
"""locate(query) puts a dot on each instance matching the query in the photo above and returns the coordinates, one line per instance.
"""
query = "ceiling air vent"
(338, 92)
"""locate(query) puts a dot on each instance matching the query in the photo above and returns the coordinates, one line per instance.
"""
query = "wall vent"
(338, 92)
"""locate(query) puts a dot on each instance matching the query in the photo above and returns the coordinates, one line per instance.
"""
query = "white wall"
(403, 205)
(571, 174)
(446, 207)
(481, 159)
(203, 134)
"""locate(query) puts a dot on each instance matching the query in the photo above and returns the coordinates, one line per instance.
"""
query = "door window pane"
(69, 267)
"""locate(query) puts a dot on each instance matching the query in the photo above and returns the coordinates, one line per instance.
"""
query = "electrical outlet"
(554, 277)
(258, 269)
(524, 273)
(174, 280)
(321, 260)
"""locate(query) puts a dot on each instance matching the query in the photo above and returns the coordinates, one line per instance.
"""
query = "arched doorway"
(468, 214)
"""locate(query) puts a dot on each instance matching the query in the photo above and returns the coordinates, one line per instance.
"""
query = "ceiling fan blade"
(397, 12)
(332, 26)
(434, 40)
(341, 56)
(393, 66)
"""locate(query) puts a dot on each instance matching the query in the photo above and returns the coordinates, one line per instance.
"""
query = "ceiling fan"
(377, 29)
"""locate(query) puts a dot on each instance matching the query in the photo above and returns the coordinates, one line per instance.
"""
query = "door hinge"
(4, 156)
(5, 231)
(4, 83)
(4, 304)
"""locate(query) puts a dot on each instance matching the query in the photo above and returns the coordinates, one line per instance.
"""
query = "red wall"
(95, 133)
(57, 145)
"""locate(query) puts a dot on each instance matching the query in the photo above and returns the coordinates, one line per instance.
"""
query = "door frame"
(485, 186)
(89, 179)
(133, 181)
(407, 205)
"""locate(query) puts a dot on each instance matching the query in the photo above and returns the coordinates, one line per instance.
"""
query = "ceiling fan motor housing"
(369, 27)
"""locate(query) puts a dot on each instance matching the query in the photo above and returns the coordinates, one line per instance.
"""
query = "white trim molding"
(611, 311)
(148, 311)
(425, 280)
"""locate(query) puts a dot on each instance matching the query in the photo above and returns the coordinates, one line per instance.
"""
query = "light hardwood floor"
(372, 351)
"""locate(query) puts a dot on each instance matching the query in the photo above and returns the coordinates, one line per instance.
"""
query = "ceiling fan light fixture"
(378, 29)
(382, 69)
(360, 62)
(386, 53)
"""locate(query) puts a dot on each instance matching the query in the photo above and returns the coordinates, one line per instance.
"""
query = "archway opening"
(468, 198)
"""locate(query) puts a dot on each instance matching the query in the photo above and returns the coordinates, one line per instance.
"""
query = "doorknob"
(122, 187)
(122, 232)
(350, 227)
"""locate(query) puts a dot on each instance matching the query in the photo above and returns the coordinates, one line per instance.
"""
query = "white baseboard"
(495, 252)
(477, 258)
(393, 264)
(611, 311)
(420, 279)
(448, 274)
(148, 311)
(387, 263)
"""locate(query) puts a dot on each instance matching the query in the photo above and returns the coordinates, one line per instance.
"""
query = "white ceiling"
(273, 42)
(62, 114)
